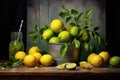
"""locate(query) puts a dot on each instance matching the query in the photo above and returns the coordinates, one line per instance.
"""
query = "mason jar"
(16, 44)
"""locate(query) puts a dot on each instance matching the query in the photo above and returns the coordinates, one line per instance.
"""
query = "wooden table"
(51, 73)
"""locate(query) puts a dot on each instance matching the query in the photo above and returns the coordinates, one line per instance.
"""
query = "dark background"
(13, 11)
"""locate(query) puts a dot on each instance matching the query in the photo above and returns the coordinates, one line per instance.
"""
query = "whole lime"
(74, 31)
(54, 40)
(47, 34)
(114, 61)
(64, 36)
(85, 36)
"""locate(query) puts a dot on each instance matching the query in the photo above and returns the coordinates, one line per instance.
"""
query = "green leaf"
(76, 43)
(88, 12)
(37, 28)
(63, 14)
(88, 19)
(99, 40)
(96, 28)
(80, 15)
(74, 12)
(34, 39)
(92, 48)
(94, 35)
(67, 10)
(63, 50)
(72, 24)
(81, 32)
(16, 64)
(68, 19)
(32, 34)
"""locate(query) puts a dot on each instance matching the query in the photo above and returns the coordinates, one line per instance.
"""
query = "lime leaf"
(96, 28)
(80, 15)
(63, 50)
(32, 33)
(68, 19)
(74, 12)
(88, 12)
(34, 39)
(72, 24)
(67, 10)
(37, 28)
(63, 14)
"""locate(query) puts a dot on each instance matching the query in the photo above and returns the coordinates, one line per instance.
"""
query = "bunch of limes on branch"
(73, 27)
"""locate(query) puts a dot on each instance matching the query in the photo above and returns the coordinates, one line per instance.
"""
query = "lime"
(54, 40)
(74, 31)
(60, 66)
(64, 36)
(56, 25)
(85, 36)
(47, 34)
(71, 66)
(115, 61)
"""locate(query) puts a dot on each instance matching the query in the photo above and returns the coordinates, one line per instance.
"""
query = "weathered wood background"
(41, 12)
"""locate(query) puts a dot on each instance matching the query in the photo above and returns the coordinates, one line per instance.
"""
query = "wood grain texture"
(41, 12)
(51, 73)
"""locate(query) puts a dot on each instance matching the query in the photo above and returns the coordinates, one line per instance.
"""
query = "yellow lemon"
(20, 55)
(105, 55)
(97, 61)
(33, 49)
(46, 60)
(29, 60)
(38, 55)
(85, 65)
(90, 57)
(56, 25)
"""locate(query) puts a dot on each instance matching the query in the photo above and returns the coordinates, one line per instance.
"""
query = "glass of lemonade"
(16, 44)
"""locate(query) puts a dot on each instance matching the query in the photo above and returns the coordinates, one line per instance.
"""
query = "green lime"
(64, 36)
(115, 61)
(47, 34)
(54, 40)
(85, 36)
(74, 31)
(71, 66)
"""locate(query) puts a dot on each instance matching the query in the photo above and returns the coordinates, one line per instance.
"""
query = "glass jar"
(16, 44)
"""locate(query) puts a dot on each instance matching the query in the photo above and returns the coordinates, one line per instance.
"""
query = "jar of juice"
(16, 44)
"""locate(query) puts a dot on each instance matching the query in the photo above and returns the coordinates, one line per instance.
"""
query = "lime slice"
(71, 66)
(61, 66)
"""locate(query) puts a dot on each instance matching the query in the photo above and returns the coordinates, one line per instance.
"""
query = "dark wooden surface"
(51, 73)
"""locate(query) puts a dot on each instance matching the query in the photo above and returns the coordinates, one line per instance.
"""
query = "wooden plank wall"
(41, 12)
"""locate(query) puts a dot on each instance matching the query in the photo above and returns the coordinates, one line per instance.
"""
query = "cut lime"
(61, 66)
(71, 66)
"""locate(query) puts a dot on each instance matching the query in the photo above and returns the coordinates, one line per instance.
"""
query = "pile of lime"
(58, 33)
